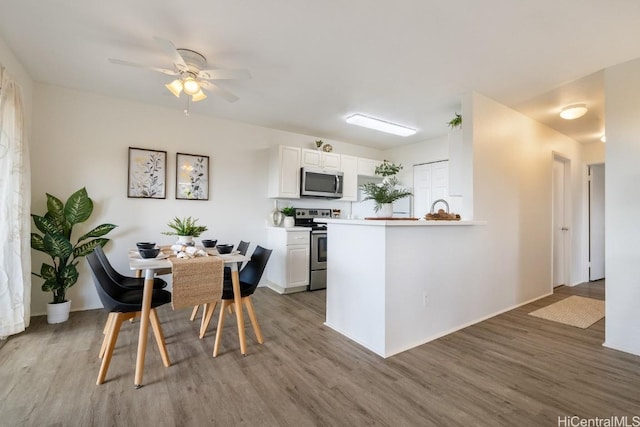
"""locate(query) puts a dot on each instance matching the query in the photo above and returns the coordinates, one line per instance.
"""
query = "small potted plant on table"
(186, 229)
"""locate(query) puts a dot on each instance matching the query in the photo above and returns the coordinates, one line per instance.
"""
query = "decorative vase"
(185, 241)
(58, 313)
(288, 222)
(385, 211)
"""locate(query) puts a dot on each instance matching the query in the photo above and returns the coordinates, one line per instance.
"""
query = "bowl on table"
(224, 249)
(146, 245)
(208, 243)
(149, 252)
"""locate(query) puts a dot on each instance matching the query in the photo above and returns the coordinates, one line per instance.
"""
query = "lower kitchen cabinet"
(288, 267)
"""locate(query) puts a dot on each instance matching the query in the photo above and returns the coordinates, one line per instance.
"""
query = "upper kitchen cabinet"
(349, 165)
(320, 159)
(367, 167)
(284, 172)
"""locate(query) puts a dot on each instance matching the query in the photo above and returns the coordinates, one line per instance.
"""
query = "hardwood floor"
(513, 369)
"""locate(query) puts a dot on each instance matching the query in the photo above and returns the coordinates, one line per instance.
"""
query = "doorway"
(596, 222)
(560, 220)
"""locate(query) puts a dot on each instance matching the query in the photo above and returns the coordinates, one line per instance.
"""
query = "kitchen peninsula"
(394, 285)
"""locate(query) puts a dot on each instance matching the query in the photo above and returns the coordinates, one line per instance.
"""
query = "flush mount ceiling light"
(381, 125)
(574, 111)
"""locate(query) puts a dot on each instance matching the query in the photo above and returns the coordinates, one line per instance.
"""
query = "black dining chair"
(249, 279)
(125, 281)
(242, 248)
(123, 304)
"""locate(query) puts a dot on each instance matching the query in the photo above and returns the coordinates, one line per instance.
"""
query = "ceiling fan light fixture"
(190, 86)
(199, 96)
(175, 87)
(574, 111)
(380, 125)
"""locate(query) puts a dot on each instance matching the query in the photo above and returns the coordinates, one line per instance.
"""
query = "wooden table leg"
(237, 298)
(144, 325)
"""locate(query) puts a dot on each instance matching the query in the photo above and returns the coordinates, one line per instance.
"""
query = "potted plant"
(288, 213)
(186, 229)
(386, 192)
(56, 227)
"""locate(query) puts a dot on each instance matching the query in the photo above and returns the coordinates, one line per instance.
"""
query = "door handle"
(564, 229)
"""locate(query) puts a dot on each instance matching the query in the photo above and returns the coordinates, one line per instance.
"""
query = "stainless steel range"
(318, 258)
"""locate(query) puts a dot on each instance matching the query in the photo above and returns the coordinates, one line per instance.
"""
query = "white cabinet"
(284, 172)
(288, 267)
(349, 165)
(367, 167)
(320, 160)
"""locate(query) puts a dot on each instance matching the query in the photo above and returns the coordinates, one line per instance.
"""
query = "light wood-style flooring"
(511, 370)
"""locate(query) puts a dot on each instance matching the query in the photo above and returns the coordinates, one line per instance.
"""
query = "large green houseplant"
(56, 227)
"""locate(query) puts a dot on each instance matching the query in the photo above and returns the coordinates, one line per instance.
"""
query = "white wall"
(622, 203)
(82, 139)
(512, 170)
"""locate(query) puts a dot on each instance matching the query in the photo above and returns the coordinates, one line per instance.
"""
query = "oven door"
(318, 250)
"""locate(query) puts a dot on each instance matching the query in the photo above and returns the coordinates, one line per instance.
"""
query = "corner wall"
(622, 203)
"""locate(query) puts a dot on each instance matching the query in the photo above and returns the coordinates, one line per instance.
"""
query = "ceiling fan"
(192, 75)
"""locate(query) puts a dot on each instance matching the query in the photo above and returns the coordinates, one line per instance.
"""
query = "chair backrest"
(252, 272)
(108, 290)
(242, 248)
(107, 265)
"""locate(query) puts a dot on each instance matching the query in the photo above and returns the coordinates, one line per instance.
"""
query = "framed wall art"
(192, 177)
(147, 174)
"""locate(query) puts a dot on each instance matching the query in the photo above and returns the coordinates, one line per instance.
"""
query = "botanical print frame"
(192, 176)
(147, 174)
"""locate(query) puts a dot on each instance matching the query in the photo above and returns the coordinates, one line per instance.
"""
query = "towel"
(196, 280)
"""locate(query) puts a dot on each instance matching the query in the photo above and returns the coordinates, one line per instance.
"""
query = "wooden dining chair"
(249, 279)
(123, 304)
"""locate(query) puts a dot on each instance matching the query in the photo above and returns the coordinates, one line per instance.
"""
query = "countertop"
(399, 222)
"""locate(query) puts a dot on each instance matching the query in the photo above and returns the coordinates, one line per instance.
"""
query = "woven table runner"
(196, 280)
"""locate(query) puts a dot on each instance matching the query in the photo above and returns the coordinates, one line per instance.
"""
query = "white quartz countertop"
(291, 229)
(399, 222)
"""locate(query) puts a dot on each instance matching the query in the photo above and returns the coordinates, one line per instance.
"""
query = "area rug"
(575, 311)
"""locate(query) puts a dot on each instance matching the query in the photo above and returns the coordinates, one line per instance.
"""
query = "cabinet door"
(331, 161)
(311, 158)
(367, 167)
(297, 265)
(284, 173)
(349, 166)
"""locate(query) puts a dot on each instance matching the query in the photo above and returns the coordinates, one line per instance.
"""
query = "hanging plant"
(456, 122)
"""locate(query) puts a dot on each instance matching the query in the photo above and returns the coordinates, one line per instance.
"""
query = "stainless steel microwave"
(320, 183)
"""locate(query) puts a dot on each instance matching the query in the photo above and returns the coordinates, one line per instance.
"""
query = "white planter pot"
(185, 241)
(288, 222)
(58, 313)
(385, 211)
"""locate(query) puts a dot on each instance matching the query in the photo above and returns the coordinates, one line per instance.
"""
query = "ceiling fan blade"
(219, 91)
(224, 74)
(171, 50)
(146, 67)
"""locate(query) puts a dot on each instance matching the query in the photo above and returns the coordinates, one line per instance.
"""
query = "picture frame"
(192, 177)
(147, 174)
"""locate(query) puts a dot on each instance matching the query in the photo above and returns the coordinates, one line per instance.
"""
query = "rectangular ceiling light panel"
(381, 125)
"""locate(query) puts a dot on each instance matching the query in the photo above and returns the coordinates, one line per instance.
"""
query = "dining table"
(152, 265)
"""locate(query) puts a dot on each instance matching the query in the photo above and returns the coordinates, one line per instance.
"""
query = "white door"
(559, 219)
(596, 222)
(421, 189)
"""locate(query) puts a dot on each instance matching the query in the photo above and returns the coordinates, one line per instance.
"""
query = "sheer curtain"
(15, 221)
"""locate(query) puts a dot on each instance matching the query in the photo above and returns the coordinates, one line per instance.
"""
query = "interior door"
(596, 222)
(560, 228)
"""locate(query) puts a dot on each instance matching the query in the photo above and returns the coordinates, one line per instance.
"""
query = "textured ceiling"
(314, 63)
